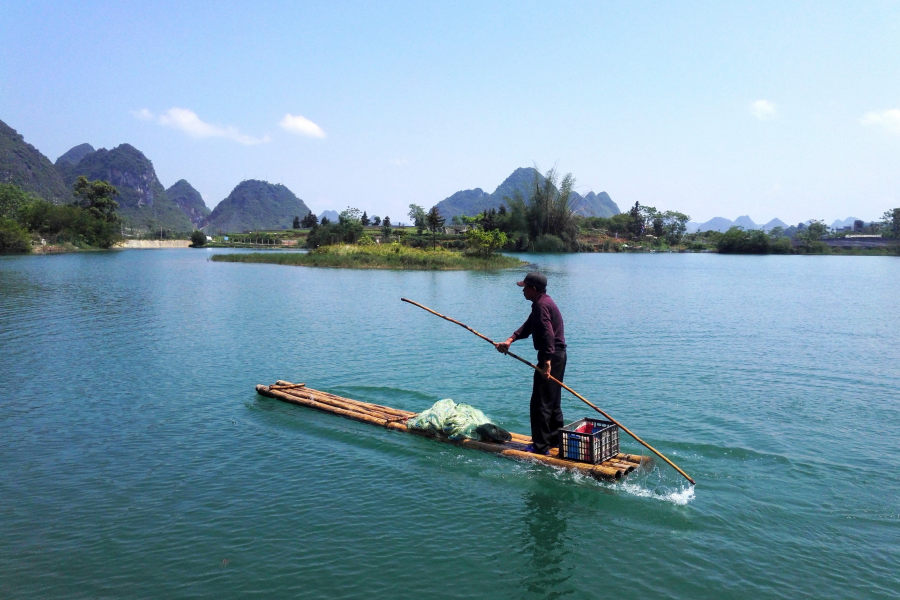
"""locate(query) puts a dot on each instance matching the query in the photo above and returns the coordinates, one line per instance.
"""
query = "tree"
(484, 243)
(376, 220)
(386, 230)
(815, 231)
(637, 220)
(324, 221)
(12, 197)
(489, 219)
(350, 214)
(68, 223)
(97, 197)
(387, 221)
(13, 237)
(364, 219)
(310, 220)
(738, 241)
(417, 216)
(435, 221)
(502, 210)
(549, 211)
(198, 238)
(296, 224)
(891, 221)
(675, 224)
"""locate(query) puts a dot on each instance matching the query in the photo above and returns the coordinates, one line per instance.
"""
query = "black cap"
(535, 280)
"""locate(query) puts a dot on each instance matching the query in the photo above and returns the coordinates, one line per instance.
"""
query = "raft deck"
(393, 418)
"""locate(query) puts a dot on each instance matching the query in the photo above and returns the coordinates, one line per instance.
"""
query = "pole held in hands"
(564, 386)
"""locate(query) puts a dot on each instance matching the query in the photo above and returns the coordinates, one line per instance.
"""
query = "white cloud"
(398, 162)
(762, 110)
(301, 126)
(187, 121)
(889, 119)
(143, 114)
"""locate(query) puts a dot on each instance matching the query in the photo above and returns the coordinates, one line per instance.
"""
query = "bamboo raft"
(393, 418)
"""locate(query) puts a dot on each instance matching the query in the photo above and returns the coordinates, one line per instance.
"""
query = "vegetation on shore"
(385, 256)
(90, 222)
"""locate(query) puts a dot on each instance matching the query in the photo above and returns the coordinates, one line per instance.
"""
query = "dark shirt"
(545, 326)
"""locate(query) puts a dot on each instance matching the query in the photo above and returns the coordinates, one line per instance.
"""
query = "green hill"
(67, 164)
(74, 155)
(472, 202)
(143, 202)
(189, 200)
(23, 165)
(256, 205)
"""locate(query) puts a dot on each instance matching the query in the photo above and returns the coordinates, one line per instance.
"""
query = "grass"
(387, 256)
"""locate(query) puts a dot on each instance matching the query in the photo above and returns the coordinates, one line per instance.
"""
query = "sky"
(767, 109)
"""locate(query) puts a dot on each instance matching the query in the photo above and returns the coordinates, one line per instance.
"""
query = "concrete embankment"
(155, 244)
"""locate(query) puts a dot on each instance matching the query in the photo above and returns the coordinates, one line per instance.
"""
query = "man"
(545, 326)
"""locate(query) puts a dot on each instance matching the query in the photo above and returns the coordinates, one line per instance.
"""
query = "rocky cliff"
(143, 202)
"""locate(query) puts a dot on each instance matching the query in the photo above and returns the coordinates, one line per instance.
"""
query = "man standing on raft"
(545, 326)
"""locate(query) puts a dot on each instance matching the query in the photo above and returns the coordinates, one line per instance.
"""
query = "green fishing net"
(456, 421)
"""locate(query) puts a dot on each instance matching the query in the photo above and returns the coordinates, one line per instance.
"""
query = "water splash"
(679, 497)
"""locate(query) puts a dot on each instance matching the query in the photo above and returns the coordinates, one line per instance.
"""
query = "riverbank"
(144, 244)
(392, 256)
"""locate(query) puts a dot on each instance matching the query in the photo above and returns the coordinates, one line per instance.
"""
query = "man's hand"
(504, 346)
(545, 369)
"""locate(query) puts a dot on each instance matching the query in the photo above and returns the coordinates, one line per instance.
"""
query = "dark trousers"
(546, 412)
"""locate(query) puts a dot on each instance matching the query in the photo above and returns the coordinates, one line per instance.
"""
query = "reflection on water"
(546, 549)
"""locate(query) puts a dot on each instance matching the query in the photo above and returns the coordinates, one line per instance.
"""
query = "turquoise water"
(136, 461)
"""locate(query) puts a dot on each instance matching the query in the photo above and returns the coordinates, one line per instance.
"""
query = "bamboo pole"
(356, 416)
(386, 409)
(351, 406)
(564, 386)
(286, 386)
(634, 458)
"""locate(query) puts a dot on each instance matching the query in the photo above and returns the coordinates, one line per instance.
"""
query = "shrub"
(12, 198)
(484, 243)
(69, 223)
(198, 239)
(549, 243)
(738, 241)
(13, 238)
(345, 231)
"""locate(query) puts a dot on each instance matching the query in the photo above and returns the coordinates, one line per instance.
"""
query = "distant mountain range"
(472, 202)
(331, 214)
(722, 224)
(848, 222)
(144, 203)
(255, 205)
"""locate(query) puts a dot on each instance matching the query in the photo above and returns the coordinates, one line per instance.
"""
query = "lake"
(137, 461)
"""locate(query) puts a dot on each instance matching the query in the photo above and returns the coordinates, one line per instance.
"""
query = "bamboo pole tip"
(261, 389)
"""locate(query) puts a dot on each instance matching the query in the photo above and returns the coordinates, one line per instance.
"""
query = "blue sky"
(778, 109)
